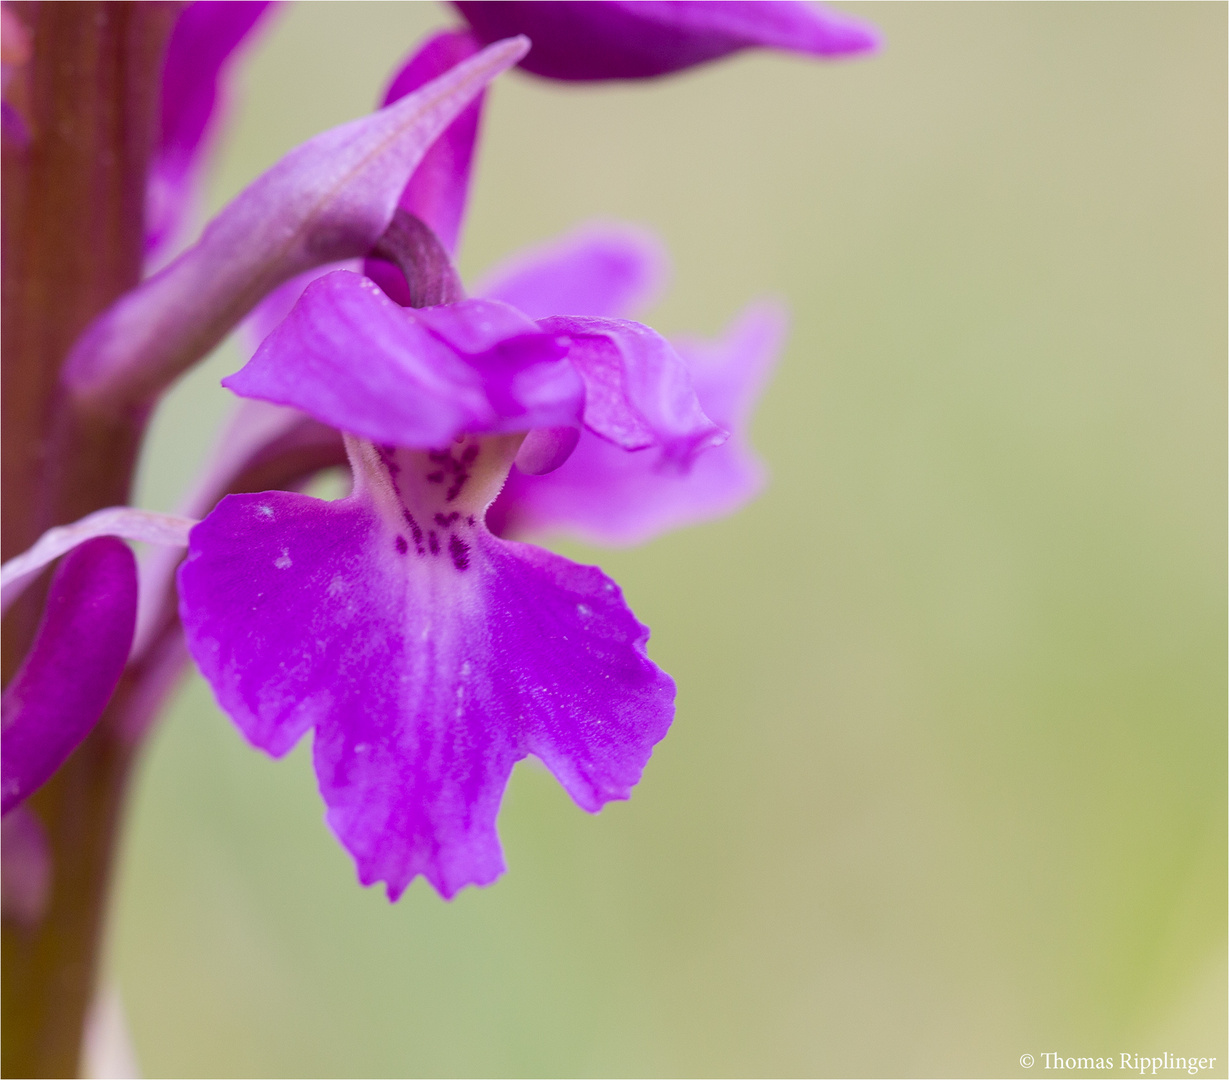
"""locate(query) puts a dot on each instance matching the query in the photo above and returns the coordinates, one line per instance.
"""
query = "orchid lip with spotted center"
(427, 654)
(433, 500)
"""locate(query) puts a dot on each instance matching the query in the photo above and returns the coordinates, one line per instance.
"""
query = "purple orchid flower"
(203, 44)
(641, 39)
(429, 655)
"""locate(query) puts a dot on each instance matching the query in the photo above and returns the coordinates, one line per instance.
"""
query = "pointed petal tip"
(499, 56)
(519, 45)
(480, 69)
(855, 37)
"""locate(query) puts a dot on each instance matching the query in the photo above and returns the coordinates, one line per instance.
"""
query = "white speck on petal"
(265, 510)
(283, 560)
(583, 610)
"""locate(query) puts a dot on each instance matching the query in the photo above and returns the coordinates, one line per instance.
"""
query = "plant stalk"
(73, 242)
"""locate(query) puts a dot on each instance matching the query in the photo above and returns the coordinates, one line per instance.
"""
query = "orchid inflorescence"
(408, 625)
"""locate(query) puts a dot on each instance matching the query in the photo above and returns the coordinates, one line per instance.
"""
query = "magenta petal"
(607, 496)
(438, 188)
(615, 271)
(427, 672)
(638, 392)
(355, 360)
(604, 39)
(276, 305)
(350, 357)
(474, 327)
(206, 34)
(73, 666)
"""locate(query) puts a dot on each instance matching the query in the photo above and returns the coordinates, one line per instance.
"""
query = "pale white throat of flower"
(432, 493)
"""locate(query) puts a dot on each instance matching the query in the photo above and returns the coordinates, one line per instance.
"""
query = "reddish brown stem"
(73, 241)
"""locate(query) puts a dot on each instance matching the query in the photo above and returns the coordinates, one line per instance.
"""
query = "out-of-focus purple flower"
(429, 655)
(600, 493)
(640, 39)
(72, 668)
(327, 200)
(201, 47)
(610, 269)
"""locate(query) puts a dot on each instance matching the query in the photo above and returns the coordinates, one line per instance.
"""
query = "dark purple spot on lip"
(415, 531)
(469, 453)
(433, 542)
(459, 550)
(444, 520)
(435, 478)
(470, 520)
(390, 465)
(402, 546)
(386, 456)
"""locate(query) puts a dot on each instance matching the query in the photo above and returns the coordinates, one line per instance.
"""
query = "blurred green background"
(947, 782)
